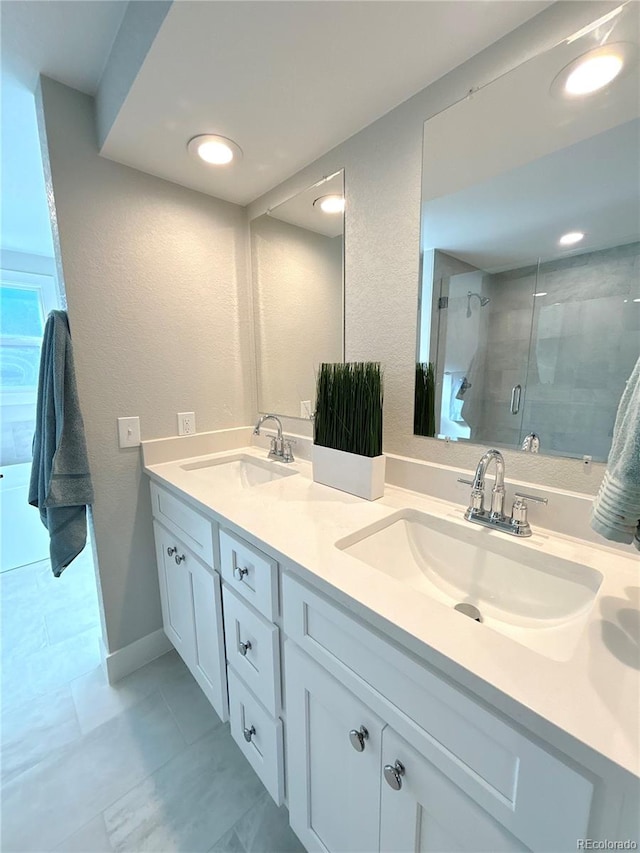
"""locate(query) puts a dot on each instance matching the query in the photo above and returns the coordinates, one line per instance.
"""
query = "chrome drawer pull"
(179, 558)
(393, 774)
(239, 573)
(172, 551)
(249, 733)
(358, 737)
(243, 648)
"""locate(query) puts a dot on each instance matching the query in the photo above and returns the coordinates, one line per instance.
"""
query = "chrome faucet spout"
(280, 449)
(517, 524)
(261, 420)
(483, 464)
(497, 493)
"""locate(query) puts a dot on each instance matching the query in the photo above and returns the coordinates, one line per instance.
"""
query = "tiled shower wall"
(584, 340)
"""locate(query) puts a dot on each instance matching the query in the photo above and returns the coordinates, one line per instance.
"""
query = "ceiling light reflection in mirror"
(532, 200)
(298, 293)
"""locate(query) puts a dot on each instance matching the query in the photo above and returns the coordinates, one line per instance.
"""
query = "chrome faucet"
(517, 524)
(280, 449)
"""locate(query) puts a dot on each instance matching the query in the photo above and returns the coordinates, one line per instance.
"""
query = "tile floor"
(145, 765)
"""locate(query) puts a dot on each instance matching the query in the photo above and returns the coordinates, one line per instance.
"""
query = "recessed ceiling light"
(330, 203)
(593, 74)
(636, 300)
(541, 293)
(571, 238)
(215, 150)
(594, 70)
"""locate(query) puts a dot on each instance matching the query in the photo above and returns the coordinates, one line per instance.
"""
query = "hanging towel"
(616, 509)
(473, 397)
(60, 484)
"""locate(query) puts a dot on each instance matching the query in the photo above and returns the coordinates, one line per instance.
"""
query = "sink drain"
(469, 610)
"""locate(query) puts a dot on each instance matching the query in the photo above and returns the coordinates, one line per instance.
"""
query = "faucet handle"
(287, 453)
(534, 498)
(519, 520)
(465, 481)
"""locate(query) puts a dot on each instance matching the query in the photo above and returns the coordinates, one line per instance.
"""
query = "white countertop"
(591, 700)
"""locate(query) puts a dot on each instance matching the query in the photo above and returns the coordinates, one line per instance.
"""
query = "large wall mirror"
(529, 308)
(297, 261)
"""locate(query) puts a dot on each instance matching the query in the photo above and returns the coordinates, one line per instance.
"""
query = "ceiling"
(69, 40)
(288, 81)
(300, 209)
(515, 218)
(571, 165)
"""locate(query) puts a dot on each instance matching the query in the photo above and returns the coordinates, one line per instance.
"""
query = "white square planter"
(359, 475)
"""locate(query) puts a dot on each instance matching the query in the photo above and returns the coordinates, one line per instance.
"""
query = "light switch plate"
(186, 423)
(305, 409)
(129, 432)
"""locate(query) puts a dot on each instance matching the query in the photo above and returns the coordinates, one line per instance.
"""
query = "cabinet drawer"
(531, 792)
(253, 650)
(258, 735)
(194, 529)
(252, 574)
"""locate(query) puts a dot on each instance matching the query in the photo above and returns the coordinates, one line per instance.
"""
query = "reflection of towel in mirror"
(60, 481)
(472, 406)
(616, 509)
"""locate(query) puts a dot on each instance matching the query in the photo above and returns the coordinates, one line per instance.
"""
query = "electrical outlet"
(129, 432)
(186, 423)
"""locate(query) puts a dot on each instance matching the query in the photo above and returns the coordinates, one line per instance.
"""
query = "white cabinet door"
(334, 786)
(175, 593)
(422, 810)
(209, 665)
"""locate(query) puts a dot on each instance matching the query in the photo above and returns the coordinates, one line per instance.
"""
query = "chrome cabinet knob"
(179, 558)
(249, 733)
(358, 737)
(172, 551)
(239, 573)
(393, 774)
(243, 648)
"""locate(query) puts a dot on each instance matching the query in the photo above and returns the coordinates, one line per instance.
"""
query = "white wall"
(297, 280)
(382, 240)
(158, 301)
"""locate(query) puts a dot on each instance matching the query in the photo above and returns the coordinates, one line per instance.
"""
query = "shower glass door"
(584, 345)
(482, 360)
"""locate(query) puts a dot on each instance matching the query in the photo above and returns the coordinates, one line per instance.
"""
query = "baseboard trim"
(124, 661)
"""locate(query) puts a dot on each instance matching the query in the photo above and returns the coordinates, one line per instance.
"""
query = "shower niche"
(529, 297)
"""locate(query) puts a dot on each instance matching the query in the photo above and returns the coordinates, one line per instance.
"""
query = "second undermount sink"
(237, 470)
(530, 596)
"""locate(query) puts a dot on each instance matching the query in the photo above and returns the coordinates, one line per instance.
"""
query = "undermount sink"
(532, 597)
(239, 470)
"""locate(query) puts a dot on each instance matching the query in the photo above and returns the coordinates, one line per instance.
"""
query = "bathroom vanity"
(384, 718)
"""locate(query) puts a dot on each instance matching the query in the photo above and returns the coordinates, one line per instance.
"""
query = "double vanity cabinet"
(370, 747)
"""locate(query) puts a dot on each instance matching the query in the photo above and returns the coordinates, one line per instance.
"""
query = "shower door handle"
(516, 394)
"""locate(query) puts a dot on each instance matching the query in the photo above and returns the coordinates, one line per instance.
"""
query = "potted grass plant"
(347, 441)
(424, 411)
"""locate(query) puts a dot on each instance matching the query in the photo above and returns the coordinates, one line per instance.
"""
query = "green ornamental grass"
(349, 407)
(424, 412)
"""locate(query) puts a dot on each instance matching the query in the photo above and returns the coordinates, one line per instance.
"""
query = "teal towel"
(60, 485)
(616, 509)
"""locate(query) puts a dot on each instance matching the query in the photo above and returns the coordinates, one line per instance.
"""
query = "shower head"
(484, 300)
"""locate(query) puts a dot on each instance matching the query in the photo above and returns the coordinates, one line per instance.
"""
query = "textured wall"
(382, 241)
(297, 281)
(158, 301)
